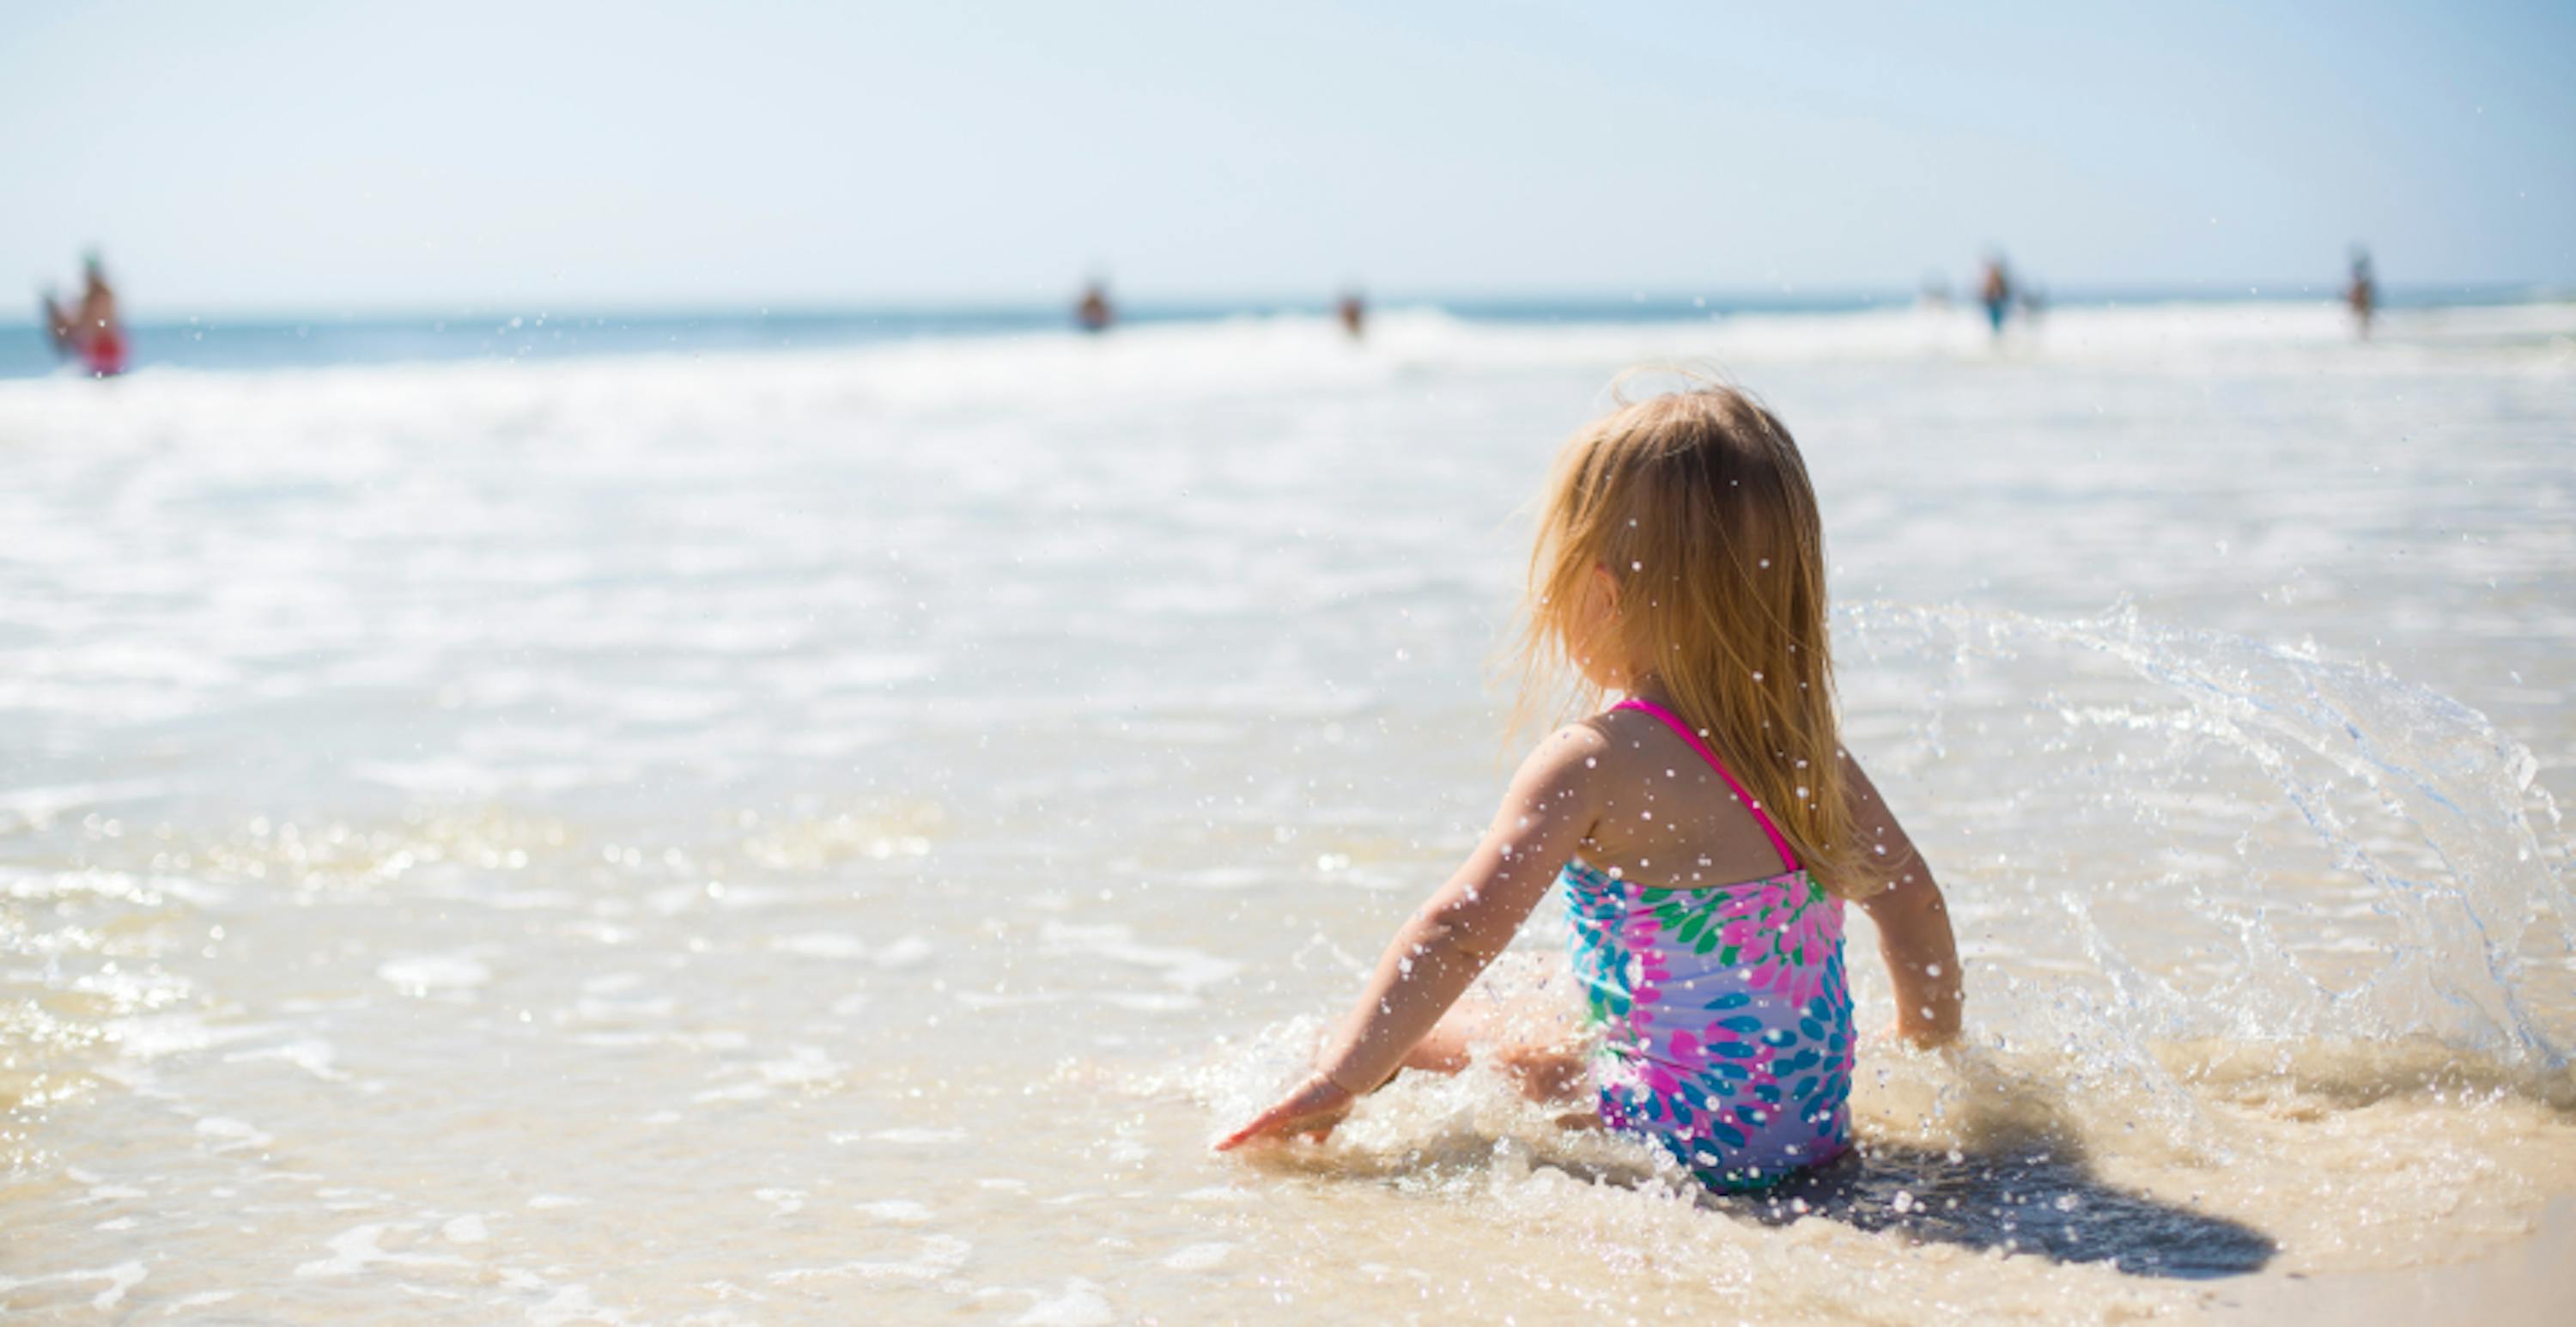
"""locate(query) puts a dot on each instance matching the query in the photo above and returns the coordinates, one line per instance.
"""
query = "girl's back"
(1675, 823)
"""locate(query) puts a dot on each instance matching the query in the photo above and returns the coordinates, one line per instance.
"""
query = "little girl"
(1707, 828)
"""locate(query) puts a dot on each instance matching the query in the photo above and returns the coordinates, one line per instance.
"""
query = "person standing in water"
(1995, 291)
(1353, 312)
(1093, 313)
(1706, 830)
(90, 332)
(2362, 295)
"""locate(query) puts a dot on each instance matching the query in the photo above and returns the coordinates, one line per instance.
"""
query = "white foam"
(940, 1256)
(233, 1133)
(120, 1278)
(310, 1054)
(801, 1066)
(593, 1009)
(1079, 1304)
(1188, 969)
(1197, 1257)
(422, 974)
(36, 809)
(820, 944)
(573, 1304)
(911, 1137)
(909, 952)
(360, 1247)
(151, 1036)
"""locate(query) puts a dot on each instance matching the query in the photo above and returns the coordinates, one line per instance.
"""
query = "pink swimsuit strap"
(1788, 859)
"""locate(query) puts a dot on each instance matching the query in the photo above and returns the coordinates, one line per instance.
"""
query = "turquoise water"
(515, 333)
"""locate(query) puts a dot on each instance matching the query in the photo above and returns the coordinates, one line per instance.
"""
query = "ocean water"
(826, 833)
(538, 335)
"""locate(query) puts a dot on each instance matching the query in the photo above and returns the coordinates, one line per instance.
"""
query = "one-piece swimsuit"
(1724, 1022)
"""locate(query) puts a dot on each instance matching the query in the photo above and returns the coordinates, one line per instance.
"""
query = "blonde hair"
(1697, 504)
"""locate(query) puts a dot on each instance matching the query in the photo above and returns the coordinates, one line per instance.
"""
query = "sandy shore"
(2533, 1282)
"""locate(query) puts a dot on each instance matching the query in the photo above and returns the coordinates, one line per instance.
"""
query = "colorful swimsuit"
(1726, 1027)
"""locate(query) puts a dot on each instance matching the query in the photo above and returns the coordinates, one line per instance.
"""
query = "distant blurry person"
(90, 331)
(1995, 291)
(1094, 314)
(2362, 296)
(1354, 313)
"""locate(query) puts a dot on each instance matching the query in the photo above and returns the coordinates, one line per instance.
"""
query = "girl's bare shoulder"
(1606, 751)
(1632, 738)
(1571, 752)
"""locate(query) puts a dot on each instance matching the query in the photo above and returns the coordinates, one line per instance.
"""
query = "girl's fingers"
(1320, 1096)
(1278, 1121)
(1265, 1123)
(1243, 1135)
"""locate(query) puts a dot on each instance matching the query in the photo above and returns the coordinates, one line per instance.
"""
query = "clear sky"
(596, 153)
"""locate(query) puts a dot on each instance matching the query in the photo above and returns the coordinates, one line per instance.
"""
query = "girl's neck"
(1650, 688)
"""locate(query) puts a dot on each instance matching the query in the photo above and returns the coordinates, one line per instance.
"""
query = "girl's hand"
(1312, 1108)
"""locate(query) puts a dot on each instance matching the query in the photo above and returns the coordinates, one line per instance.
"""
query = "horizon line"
(1783, 297)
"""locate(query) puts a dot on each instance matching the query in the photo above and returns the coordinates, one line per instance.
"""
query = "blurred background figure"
(1995, 291)
(2362, 295)
(1093, 313)
(90, 330)
(1353, 311)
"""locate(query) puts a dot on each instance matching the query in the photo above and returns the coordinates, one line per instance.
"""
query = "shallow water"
(828, 835)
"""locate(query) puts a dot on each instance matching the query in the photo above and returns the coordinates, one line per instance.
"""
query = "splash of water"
(2311, 848)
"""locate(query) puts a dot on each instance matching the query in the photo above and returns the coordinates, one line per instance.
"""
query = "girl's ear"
(1607, 584)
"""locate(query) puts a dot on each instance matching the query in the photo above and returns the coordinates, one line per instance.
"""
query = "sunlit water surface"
(827, 836)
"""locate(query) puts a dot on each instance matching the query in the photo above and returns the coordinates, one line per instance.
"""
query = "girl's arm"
(1549, 810)
(1913, 922)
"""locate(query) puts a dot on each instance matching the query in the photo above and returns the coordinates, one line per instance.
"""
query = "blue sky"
(586, 155)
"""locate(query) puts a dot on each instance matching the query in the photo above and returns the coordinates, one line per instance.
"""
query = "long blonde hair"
(1698, 506)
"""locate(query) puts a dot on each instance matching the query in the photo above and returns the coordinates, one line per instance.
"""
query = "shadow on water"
(2024, 1187)
(2033, 1197)
(2044, 1202)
